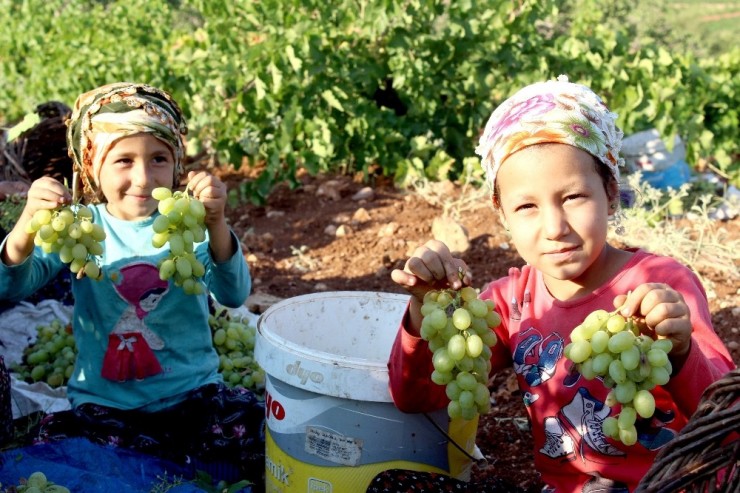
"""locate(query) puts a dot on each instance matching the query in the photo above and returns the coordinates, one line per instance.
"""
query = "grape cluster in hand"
(459, 328)
(181, 224)
(609, 346)
(69, 232)
(51, 357)
(234, 338)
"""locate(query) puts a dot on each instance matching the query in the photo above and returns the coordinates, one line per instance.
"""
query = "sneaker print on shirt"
(558, 443)
(602, 485)
(586, 415)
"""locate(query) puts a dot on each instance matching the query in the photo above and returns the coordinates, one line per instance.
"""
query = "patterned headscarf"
(104, 115)
(556, 111)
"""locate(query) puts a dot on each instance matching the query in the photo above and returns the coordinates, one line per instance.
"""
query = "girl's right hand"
(44, 193)
(431, 267)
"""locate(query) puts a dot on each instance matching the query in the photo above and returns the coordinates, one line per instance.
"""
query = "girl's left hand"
(212, 192)
(664, 313)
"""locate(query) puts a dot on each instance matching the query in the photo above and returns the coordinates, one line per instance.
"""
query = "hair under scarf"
(104, 115)
(556, 111)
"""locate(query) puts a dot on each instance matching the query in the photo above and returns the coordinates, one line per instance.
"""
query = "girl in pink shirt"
(551, 157)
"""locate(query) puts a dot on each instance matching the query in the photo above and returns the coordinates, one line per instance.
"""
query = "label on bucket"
(318, 443)
(333, 447)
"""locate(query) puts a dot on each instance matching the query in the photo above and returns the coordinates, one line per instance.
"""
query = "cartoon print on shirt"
(131, 342)
(515, 314)
(535, 357)
(652, 432)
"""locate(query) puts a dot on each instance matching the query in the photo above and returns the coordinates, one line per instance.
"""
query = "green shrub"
(400, 88)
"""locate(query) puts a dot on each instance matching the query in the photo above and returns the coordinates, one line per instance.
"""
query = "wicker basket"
(703, 457)
(39, 151)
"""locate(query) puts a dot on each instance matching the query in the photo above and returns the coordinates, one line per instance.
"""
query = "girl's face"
(133, 167)
(151, 300)
(556, 207)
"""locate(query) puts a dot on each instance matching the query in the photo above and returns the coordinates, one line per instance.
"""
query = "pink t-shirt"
(566, 410)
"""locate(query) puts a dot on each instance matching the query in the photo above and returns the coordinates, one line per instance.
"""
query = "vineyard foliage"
(400, 88)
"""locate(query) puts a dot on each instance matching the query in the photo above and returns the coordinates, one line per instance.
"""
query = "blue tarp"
(84, 467)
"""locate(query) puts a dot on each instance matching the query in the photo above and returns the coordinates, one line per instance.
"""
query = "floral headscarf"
(556, 111)
(104, 115)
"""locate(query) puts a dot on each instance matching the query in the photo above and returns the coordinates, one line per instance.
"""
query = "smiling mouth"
(561, 251)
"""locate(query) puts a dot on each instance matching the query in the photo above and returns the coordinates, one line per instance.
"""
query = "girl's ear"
(612, 193)
(497, 208)
(502, 219)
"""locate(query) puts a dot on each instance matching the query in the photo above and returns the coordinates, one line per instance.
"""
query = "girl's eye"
(524, 207)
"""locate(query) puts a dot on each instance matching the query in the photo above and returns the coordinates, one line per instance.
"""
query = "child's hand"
(431, 266)
(212, 192)
(663, 311)
(44, 193)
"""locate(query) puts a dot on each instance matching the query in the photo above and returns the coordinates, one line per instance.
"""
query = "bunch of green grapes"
(69, 232)
(611, 347)
(37, 482)
(234, 340)
(459, 328)
(181, 224)
(51, 357)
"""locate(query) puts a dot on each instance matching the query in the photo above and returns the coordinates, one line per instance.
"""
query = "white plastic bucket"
(331, 423)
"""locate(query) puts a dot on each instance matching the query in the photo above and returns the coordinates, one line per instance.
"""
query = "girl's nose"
(140, 174)
(554, 223)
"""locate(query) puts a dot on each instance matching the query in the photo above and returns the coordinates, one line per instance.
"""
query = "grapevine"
(51, 357)
(181, 225)
(69, 232)
(234, 338)
(459, 329)
(609, 346)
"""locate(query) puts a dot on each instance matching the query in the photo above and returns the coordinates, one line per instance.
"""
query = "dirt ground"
(321, 237)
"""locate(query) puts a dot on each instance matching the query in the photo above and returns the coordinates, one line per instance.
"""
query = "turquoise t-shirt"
(142, 342)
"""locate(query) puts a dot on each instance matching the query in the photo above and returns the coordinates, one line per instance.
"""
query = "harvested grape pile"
(318, 238)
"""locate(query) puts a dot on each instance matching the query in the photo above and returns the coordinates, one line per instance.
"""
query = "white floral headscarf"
(556, 111)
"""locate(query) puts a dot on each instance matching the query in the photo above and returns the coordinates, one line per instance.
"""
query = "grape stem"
(623, 304)
(75, 191)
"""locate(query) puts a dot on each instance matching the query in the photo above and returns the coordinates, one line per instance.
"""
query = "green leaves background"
(399, 88)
